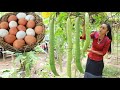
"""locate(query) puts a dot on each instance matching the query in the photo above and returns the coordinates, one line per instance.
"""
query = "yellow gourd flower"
(46, 14)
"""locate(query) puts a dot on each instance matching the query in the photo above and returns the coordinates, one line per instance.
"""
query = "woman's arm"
(105, 49)
(83, 36)
(96, 52)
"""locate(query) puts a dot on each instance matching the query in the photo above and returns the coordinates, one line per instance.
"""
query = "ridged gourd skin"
(87, 41)
(51, 54)
(77, 45)
(69, 41)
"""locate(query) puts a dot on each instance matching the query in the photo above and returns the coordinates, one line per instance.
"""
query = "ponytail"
(109, 35)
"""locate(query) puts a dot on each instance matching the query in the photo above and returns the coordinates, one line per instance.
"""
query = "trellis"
(115, 23)
(114, 20)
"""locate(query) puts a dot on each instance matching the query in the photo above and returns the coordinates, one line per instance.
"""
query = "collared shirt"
(102, 47)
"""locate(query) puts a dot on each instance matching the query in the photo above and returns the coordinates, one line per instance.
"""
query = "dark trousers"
(94, 69)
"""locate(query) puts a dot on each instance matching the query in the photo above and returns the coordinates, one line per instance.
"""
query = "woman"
(100, 46)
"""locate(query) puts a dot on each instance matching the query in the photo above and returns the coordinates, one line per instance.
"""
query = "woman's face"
(103, 29)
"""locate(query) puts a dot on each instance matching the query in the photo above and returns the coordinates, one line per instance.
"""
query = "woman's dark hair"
(109, 35)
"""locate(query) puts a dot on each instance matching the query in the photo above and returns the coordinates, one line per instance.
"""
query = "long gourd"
(77, 45)
(69, 41)
(51, 54)
(87, 41)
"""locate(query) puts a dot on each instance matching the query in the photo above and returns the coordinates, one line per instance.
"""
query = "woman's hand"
(89, 50)
(96, 52)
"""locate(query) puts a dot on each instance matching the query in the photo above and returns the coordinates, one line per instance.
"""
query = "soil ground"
(112, 60)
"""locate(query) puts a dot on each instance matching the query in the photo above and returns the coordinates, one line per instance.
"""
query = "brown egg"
(13, 31)
(22, 21)
(30, 40)
(19, 43)
(31, 24)
(39, 29)
(4, 25)
(12, 18)
(10, 38)
(21, 27)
